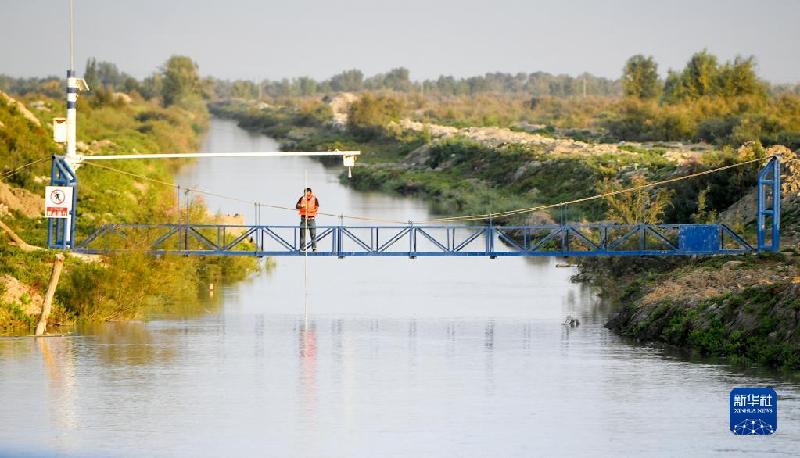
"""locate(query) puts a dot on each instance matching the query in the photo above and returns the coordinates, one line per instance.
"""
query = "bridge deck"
(420, 240)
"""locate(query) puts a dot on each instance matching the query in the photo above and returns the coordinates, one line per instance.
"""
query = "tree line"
(702, 76)
(399, 79)
(176, 82)
(724, 103)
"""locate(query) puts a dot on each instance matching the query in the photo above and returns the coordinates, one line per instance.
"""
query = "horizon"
(430, 40)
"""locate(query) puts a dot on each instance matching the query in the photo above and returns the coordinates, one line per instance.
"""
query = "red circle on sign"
(57, 197)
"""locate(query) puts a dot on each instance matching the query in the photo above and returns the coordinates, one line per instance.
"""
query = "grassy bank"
(743, 309)
(126, 286)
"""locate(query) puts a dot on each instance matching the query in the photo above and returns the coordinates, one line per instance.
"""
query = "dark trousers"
(312, 230)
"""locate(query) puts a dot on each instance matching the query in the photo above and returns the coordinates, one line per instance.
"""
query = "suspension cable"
(520, 211)
(461, 218)
(29, 164)
(232, 198)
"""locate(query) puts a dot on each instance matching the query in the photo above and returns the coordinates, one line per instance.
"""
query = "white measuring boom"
(348, 157)
(245, 154)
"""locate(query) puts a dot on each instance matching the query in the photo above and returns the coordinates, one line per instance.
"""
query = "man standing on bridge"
(308, 205)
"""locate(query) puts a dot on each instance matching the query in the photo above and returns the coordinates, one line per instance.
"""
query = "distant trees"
(152, 86)
(369, 114)
(51, 86)
(705, 101)
(739, 78)
(181, 81)
(539, 84)
(704, 77)
(176, 82)
(397, 79)
(306, 85)
(699, 77)
(348, 81)
(105, 74)
(244, 89)
(640, 78)
(104, 79)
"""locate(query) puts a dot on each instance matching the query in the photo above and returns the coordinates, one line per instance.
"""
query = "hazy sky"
(273, 39)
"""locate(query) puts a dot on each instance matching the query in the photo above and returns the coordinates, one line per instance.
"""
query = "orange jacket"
(308, 210)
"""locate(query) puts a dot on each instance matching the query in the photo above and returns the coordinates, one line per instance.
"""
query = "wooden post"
(58, 264)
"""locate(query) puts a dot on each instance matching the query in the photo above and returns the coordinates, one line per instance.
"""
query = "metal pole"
(760, 223)
(305, 250)
(186, 229)
(72, 97)
(339, 233)
(71, 35)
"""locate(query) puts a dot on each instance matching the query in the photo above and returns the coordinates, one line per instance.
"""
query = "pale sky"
(255, 39)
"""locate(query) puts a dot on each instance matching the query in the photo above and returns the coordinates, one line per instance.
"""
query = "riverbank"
(742, 309)
(118, 287)
(467, 171)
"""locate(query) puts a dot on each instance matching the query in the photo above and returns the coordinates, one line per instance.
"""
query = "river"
(399, 357)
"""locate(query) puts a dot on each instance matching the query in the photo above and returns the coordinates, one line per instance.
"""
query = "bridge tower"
(769, 206)
(60, 230)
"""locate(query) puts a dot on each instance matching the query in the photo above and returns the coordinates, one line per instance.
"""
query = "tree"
(306, 85)
(640, 77)
(109, 74)
(244, 89)
(398, 79)
(634, 207)
(131, 85)
(368, 116)
(348, 81)
(90, 74)
(673, 87)
(181, 81)
(699, 78)
(739, 78)
(153, 86)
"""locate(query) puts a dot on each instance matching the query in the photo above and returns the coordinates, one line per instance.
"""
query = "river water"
(398, 357)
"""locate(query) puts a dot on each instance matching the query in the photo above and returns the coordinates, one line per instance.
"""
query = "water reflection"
(59, 357)
(308, 367)
(130, 343)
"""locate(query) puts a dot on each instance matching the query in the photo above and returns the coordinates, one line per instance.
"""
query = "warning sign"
(57, 201)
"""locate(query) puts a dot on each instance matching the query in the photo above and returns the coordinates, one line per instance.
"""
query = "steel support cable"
(594, 197)
(466, 218)
(235, 199)
(29, 164)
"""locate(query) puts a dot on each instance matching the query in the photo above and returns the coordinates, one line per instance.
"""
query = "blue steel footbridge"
(425, 240)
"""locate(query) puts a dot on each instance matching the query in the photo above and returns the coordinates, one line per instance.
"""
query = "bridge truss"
(420, 240)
